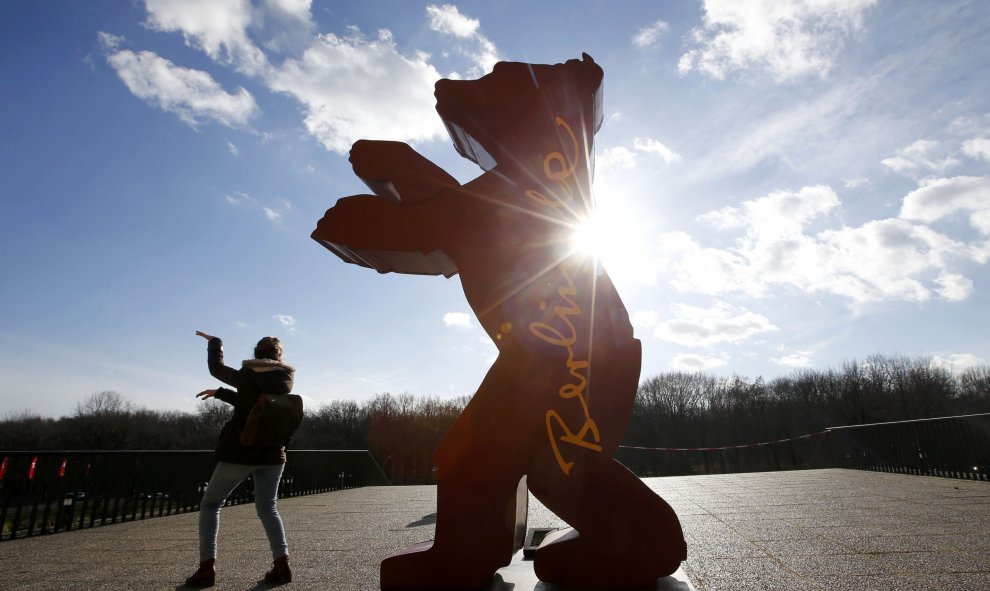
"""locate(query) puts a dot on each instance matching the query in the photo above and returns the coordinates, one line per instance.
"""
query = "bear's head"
(511, 112)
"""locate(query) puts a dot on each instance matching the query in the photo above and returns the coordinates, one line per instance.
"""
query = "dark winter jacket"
(256, 377)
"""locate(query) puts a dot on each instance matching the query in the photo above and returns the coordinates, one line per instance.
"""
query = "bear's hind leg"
(627, 536)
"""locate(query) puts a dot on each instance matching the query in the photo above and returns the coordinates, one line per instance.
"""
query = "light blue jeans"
(225, 479)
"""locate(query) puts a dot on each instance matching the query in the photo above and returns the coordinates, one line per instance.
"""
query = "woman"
(265, 374)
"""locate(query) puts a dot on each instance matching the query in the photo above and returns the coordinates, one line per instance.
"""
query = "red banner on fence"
(3, 467)
(34, 464)
(61, 468)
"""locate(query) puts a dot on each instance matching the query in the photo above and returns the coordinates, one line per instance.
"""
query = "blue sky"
(781, 185)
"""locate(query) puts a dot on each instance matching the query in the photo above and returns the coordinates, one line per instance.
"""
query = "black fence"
(786, 454)
(951, 447)
(46, 492)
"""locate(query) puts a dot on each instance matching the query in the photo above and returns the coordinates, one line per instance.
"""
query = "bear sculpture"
(555, 404)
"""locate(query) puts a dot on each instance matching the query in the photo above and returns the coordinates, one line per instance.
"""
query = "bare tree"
(103, 404)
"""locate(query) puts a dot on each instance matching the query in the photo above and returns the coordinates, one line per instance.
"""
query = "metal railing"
(44, 492)
(950, 447)
(793, 453)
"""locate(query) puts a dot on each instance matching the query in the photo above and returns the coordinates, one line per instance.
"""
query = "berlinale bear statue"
(555, 403)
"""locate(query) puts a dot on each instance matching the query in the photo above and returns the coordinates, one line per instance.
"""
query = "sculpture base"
(519, 576)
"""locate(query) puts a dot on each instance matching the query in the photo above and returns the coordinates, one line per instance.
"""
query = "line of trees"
(698, 410)
(672, 410)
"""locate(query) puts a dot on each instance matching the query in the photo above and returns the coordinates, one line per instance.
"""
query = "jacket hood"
(263, 365)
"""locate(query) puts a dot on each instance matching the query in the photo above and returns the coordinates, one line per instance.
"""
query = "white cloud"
(645, 318)
(617, 158)
(109, 42)
(457, 319)
(218, 28)
(781, 213)
(651, 146)
(353, 88)
(797, 359)
(981, 221)
(703, 327)
(448, 20)
(789, 38)
(800, 133)
(193, 95)
(622, 158)
(724, 218)
(650, 34)
(695, 362)
(287, 322)
(773, 247)
(350, 87)
(237, 198)
(856, 182)
(233, 149)
(954, 287)
(881, 260)
(887, 259)
(958, 362)
(977, 148)
(919, 158)
(298, 9)
(288, 24)
(273, 214)
(939, 198)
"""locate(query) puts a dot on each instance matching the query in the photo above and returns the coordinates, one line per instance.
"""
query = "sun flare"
(590, 237)
(604, 239)
(615, 237)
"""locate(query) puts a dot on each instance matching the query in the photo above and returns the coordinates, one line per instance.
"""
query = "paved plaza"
(833, 530)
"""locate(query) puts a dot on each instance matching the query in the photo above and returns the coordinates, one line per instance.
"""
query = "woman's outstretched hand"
(200, 333)
(206, 394)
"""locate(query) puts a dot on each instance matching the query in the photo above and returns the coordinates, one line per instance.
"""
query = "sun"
(591, 237)
(615, 237)
(604, 239)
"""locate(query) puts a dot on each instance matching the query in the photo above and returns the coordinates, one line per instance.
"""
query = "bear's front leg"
(482, 496)
(365, 222)
(395, 171)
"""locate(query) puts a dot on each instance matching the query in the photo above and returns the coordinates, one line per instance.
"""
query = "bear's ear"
(587, 58)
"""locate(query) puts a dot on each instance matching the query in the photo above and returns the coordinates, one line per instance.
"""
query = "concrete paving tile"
(932, 528)
(826, 521)
(803, 547)
(974, 542)
(761, 532)
(730, 548)
(878, 583)
(846, 534)
(962, 582)
(924, 563)
(838, 565)
(786, 582)
(738, 568)
(932, 543)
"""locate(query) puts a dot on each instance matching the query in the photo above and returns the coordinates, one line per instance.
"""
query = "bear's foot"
(424, 566)
(634, 560)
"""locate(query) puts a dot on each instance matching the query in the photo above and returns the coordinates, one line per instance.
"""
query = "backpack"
(272, 420)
